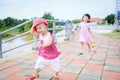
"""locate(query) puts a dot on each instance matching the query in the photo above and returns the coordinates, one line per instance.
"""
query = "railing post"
(0, 45)
(54, 31)
(35, 47)
(68, 30)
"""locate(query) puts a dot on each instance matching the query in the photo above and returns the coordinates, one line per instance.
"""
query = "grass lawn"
(28, 37)
(115, 34)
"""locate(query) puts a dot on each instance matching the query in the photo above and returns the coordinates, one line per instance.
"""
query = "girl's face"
(85, 18)
(41, 28)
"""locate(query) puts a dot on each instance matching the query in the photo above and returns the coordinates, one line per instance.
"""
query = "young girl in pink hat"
(47, 50)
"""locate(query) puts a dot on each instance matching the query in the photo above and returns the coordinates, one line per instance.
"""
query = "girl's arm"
(77, 28)
(90, 32)
(48, 43)
(34, 32)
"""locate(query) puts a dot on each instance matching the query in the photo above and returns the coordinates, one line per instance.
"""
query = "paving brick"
(100, 52)
(99, 59)
(63, 54)
(30, 62)
(113, 52)
(49, 68)
(94, 73)
(1, 62)
(47, 74)
(99, 56)
(71, 57)
(80, 61)
(112, 68)
(84, 56)
(84, 77)
(3, 76)
(65, 62)
(42, 78)
(71, 69)
(68, 76)
(18, 60)
(117, 64)
(94, 67)
(111, 75)
(97, 62)
(16, 77)
(113, 56)
(102, 48)
(25, 66)
(27, 57)
(3, 67)
(10, 70)
(107, 79)
(25, 72)
(113, 59)
(115, 49)
(8, 64)
(76, 65)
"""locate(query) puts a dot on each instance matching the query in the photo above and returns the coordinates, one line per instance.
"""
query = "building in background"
(117, 14)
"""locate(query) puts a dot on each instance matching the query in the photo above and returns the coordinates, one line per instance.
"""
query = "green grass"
(115, 34)
(13, 33)
(28, 37)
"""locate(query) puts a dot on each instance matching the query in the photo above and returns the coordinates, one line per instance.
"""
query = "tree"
(76, 21)
(22, 29)
(2, 24)
(9, 22)
(48, 16)
(110, 19)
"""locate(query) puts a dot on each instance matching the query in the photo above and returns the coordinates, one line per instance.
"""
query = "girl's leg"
(89, 48)
(38, 65)
(55, 63)
(35, 75)
(37, 71)
(81, 47)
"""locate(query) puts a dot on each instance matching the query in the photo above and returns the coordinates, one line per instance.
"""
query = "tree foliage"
(11, 22)
(110, 19)
(76, 21)
(48, 16)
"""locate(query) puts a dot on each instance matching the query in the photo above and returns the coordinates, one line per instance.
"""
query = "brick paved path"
(102, 64)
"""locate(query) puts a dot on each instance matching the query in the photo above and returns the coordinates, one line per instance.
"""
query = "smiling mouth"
(40, 32)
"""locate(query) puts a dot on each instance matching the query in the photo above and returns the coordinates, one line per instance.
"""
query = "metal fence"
(67, 27)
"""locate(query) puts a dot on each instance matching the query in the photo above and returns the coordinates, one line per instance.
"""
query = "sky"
(60, 9)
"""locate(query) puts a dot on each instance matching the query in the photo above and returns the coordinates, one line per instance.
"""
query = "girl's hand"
(41, 45)
(73, 31)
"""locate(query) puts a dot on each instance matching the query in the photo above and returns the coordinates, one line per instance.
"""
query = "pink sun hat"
(39, 21)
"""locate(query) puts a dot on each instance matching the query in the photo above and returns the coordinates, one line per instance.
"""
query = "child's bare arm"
(34, 32)
(90, 32)
(48, 43)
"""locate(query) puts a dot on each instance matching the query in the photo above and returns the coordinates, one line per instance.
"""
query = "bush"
(6, 36)
(117, 30)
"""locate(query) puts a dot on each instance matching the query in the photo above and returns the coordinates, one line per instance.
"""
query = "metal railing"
(67, 28)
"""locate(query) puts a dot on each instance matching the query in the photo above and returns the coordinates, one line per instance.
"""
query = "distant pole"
(117, 13)
(35, 47)
(68, 30)
(54, 31)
